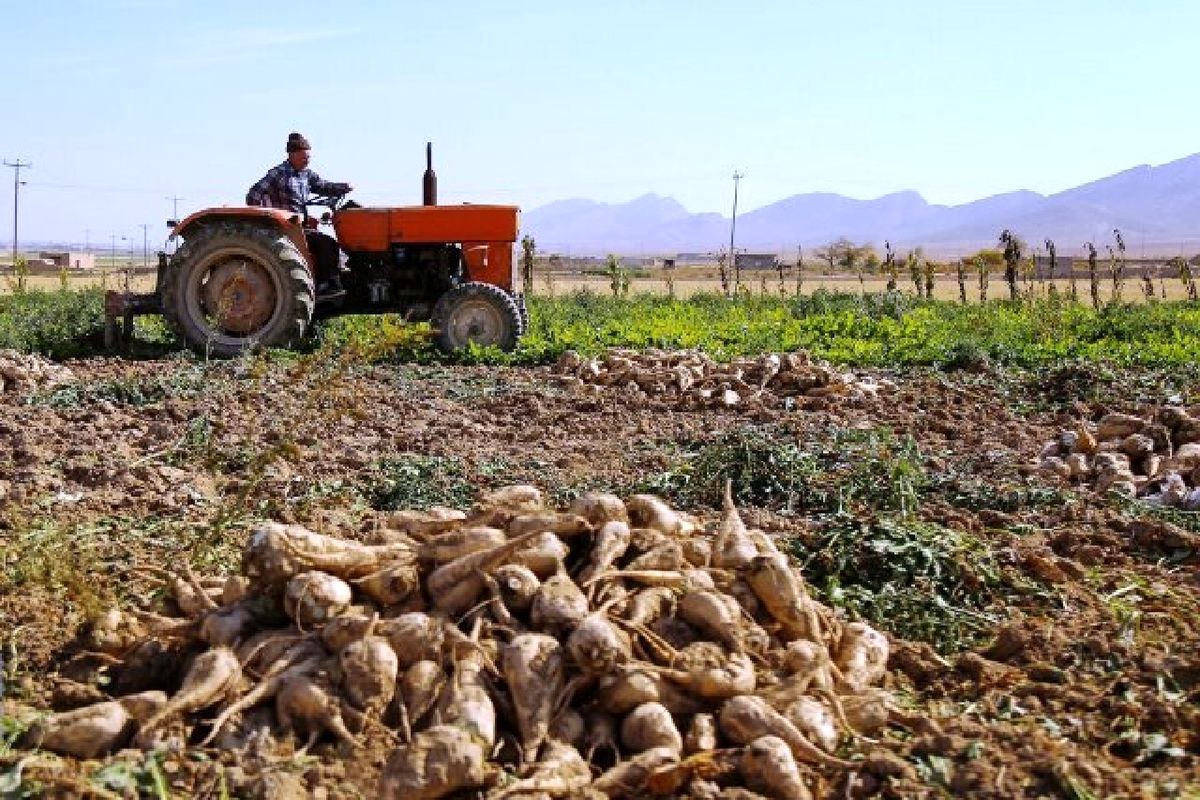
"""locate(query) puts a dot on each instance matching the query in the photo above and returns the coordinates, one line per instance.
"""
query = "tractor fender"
(287, 221)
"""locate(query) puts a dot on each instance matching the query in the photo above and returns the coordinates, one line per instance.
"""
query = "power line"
(737, 179)
(17, 166)
(145, 253)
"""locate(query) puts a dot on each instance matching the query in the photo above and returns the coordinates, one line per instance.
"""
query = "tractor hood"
(376, 229)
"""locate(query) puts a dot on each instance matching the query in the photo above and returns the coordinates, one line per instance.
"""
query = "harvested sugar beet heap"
(615, 649)
(1155, 459)
(24, 372)
(695, 378)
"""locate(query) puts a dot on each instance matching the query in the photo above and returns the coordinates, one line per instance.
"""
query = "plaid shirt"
(286, 187)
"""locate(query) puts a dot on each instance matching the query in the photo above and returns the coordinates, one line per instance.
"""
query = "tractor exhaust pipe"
(429, 187)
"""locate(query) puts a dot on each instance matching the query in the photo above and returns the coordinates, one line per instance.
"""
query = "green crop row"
(880, 330)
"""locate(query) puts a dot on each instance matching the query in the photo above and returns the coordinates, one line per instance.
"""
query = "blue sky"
(121, 103)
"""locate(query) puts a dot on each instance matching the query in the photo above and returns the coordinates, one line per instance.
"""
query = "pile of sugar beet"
(1154, 457)
(22, 372)
(615, 649)
(699, 381)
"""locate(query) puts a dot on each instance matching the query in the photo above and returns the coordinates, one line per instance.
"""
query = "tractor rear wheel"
(523, 310)
(476, 313)
(236, 286)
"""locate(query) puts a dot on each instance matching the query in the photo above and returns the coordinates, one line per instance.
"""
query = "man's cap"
(297, 142)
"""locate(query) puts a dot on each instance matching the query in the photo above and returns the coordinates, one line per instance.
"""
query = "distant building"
(66, 260)
(756, 261)
(1062, 265)
(696, 259)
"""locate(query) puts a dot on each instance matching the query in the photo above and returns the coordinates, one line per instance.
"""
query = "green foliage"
(1008, 496)
(59, 324)
(874, 330)
(767, 467)
(916, 579)
(20, 279)
(128, 391)
(132, 778)
(853, 469)
(11, 729)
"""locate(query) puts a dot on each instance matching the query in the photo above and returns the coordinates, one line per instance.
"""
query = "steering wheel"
(334, 202)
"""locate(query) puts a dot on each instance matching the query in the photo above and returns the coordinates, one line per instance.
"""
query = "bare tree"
(528, 248)
(1148, 284)
(799, 270)
(889, 266)
(1117, 262)
(832, 253)
(723, 271)
(1012, 259)
(1093, 274)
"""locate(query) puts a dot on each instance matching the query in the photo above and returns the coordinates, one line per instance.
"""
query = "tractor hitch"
(120, 307)
(119, 310)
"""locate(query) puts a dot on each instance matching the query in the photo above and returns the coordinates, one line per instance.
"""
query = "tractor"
(241, 278)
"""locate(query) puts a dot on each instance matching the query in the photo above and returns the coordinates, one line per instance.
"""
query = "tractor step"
(119, 310)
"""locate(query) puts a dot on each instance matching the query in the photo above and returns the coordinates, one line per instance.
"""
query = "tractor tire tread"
(503, 301)
(290, 262)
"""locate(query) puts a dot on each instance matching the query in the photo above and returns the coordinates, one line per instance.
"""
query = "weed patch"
(60, 558)
(127, 391)
(916, 579)
(417, 481)
(770, 468)
(1007, 496)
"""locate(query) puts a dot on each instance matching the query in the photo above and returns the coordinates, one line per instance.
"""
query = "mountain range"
(1157, 209)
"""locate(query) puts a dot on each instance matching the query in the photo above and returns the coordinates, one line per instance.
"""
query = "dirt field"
(1088, 688)
(689, 281)
(945, 287)
(139, 280)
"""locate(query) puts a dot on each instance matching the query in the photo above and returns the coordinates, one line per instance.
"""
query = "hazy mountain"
(587, 224)
(1154, 206)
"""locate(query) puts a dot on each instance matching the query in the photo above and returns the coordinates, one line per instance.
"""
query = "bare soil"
(1090, 686)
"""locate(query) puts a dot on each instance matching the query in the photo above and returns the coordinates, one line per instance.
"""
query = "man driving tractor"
(247, 277)
(289, 185)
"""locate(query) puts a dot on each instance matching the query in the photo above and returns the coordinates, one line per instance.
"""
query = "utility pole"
(113, 254)
(175, 206)
(17, 166)
(145, 251)
(87, 240)
(737, 273)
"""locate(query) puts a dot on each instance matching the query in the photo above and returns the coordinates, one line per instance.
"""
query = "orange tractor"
(242, 277)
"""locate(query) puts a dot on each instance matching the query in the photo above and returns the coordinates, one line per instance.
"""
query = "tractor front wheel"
(476, 313)
(235, 286)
